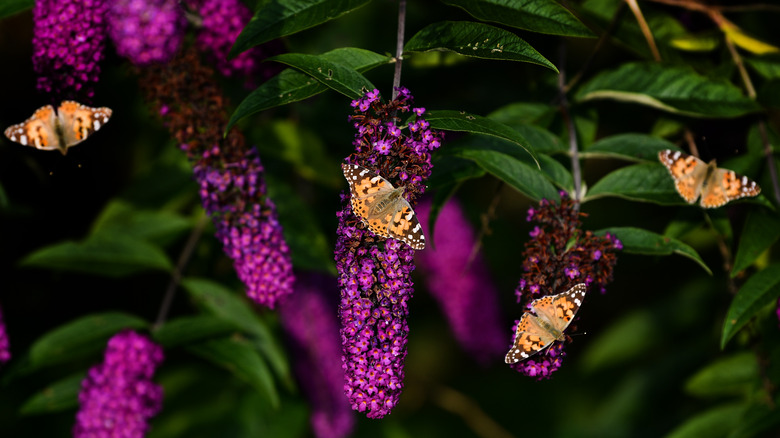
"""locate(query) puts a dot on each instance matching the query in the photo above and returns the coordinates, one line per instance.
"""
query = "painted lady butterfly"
(693, 177)
(69, 126)
(382, 207)
(553, 314)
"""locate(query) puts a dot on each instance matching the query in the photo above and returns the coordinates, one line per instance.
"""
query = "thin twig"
(725, 254)
(564, 107)
(399, 47)
(688, 135)
(184, 258)
(702, 7)
(645, 28)
(749, 89)
(479, 422)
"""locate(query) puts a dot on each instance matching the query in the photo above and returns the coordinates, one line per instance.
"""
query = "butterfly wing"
(79, 121)
(558, 310)
(725, 185)
(37, 131)
(530, 338)
(366, 188)
(687, 171)
(404, 226)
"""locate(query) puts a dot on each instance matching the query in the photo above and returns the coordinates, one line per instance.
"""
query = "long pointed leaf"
(543, 16)
(278, 18)
(647, 182)
(760, 290)
(338, 77)
(678, 90)
(292, 86)
(640, 241)
(475, 40)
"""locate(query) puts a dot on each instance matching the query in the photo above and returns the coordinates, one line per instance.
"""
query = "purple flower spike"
(374, 274)
(558, 256)
(307, 318)
(462, 286)
(229, 175)
(146, 31)
(68, 45)
(221, 23)
(5, 346)
(118, 396)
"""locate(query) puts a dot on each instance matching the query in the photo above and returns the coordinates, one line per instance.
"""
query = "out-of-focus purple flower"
(5, 346)
(68, 45)
(221, 23)
(460, 284)
(146, 31)
(230, 175)
(118, 397)
(308, 319)
(558, 256)
(374, 274)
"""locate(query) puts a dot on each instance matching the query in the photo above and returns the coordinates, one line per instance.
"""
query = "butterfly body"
(693, 178)
(48, 130)
(382, 207)
(553, 314)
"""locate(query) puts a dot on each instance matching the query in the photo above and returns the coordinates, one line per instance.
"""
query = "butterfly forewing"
(382, 207)
(726, 185)
(37, 131)
(687, 171)
(554, 313)
(80, 121)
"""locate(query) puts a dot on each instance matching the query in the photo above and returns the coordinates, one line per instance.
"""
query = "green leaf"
(242, 360)
(11, 7)
(759, 417)
(768, 67)
(278, 18)
(292, 86)
(761, 231)
(734, 375)
(338, 77)
(543, 16)
(449, 120)
(715, 422)
(56, 397)
(79, 338)
(525, 113)
(514, 172)
(475, 40)
(758, 291)
(625, 339)
(110, 255)
(541, 139)
(678, 90)
(450, 170)
(646, 182)
(632, 147)
(224, 304)
(639, 241)
(120, 217)
(188, 329)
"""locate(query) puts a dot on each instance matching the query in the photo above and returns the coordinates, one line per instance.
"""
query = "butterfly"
(382, 207)
(553, 313)
(693, 177)
(69, 126)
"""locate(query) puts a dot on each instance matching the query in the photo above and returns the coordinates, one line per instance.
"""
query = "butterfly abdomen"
(387, 204)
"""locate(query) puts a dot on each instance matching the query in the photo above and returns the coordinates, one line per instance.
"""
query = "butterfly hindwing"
(687, 171)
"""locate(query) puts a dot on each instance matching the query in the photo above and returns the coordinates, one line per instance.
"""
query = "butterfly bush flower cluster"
(307, 317)
(118, 397)
(374, 274)
(221, 21)
(146, 31)
(558, 256)
(68, 45)
(460, 283)
(5, 346)
(229, 174)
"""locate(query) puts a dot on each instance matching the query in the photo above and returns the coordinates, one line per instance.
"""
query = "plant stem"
(399, 47)
(563, 104)
(184, 258)
(645, 28)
